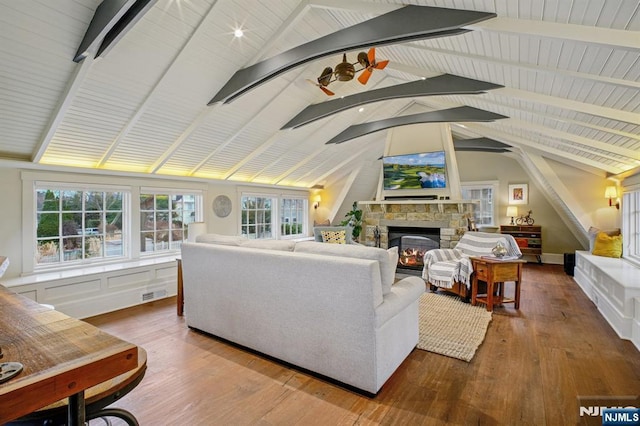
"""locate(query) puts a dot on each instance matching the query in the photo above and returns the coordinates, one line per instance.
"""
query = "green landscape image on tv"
(414, 171)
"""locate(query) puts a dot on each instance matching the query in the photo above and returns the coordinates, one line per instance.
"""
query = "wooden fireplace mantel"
(439, 203)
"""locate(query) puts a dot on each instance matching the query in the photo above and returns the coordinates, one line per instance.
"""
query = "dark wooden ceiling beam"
(446, 84)
(480, 144)
(459, 114)
(110, 22)
(404, 24)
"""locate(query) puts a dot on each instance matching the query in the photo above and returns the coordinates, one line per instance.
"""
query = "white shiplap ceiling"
(570, 71)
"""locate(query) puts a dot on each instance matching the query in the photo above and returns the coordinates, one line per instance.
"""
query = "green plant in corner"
(354, 219)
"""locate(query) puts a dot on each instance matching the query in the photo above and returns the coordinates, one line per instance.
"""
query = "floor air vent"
(153, 295)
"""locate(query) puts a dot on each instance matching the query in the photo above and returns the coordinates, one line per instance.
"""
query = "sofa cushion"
(393, 260)
(607, 246)
(226, 240)
(317, 232)
(387, 270)
(334, 237)
(284, 245)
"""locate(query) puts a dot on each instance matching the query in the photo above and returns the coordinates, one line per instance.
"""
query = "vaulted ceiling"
(567, 77)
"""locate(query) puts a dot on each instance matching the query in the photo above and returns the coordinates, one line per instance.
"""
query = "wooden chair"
(97, 399)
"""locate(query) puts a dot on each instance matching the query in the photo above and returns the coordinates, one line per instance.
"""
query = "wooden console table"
(62, 357)
(495, 273)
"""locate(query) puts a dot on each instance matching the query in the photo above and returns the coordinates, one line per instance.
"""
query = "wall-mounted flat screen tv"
(414, 171)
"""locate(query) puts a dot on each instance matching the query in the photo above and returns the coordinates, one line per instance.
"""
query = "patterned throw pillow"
(334, 237)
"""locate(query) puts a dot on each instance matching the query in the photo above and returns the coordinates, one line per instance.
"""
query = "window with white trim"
(76, 226)
(165, 217)
(485, 212)
(266, 216)
(292, 214)
(256, 222)
(631, 225)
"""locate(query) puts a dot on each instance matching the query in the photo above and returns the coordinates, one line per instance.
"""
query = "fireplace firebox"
(412, 244)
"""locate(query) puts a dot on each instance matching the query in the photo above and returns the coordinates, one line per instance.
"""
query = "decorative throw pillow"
(593, 232)
(317, 232)
(334, 237)
(607, 246)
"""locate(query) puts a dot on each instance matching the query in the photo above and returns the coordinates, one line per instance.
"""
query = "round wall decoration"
(222, 206)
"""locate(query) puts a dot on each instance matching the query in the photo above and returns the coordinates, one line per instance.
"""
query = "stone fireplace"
(446, 218)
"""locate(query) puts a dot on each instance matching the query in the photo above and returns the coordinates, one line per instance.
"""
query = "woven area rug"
(451, 327)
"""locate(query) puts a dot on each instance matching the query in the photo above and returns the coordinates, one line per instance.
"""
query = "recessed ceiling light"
(238, 32)
(361, 109)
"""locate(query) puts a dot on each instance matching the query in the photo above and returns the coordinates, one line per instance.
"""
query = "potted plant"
(354, 219)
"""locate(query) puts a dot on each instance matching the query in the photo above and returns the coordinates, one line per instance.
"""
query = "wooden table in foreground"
(495, 273)
(62, 356)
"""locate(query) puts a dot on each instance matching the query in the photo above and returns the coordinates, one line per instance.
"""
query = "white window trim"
(305, 227)
(30, 229)
(495, 185)
(131, 216)
(135, 211)
(631, 224)
(276, 198)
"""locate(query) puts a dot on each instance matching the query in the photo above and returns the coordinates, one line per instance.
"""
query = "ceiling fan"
(345, 71)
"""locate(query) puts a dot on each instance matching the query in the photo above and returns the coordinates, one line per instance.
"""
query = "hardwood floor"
(531, 369)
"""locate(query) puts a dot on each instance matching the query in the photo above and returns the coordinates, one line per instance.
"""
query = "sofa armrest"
(403, 293)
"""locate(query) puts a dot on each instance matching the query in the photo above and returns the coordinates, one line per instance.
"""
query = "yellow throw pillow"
(334, 237)
(607, 246)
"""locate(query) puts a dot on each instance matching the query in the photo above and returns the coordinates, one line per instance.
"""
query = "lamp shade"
(194, 229)
(317, 198)
(512, 211)
(610, 192)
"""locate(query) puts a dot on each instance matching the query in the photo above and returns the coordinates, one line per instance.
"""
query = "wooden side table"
(180, 297)
(495, 273)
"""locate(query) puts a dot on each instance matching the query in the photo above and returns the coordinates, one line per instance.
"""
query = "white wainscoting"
(90, 291)
(613, 285)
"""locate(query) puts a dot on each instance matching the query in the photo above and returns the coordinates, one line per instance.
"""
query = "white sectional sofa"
(327, 308)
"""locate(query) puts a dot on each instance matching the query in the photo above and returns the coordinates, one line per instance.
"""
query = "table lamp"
(512, 211)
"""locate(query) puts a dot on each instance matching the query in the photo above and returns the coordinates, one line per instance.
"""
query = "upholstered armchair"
(451, 269)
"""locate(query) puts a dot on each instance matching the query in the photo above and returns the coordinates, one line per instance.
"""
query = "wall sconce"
(316, 201)
(512, 211)
(610, 193)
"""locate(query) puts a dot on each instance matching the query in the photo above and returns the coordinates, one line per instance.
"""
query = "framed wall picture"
(519, 193)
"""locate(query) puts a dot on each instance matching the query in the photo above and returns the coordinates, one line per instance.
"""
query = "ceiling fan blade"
(372, 55)
(326, 91)
(380, 65)
(364, 76)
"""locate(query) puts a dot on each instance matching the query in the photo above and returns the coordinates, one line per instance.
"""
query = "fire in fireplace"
(412, 244)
